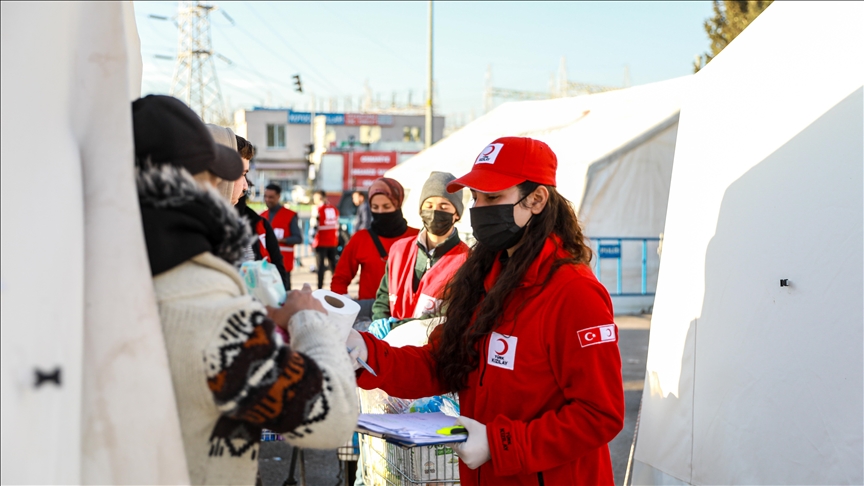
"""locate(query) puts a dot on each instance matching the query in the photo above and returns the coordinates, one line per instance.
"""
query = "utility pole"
(429, 85)
(195, 80)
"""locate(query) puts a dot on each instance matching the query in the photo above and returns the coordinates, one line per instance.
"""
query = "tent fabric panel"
(581, 130)
(779, 370)
(664, 439)
(645, 474)
(128, 390)
(767, 101)
(69, 73)
(627, 196)
(42, 308)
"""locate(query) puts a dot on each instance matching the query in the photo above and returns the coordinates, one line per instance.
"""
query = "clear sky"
(337, 47)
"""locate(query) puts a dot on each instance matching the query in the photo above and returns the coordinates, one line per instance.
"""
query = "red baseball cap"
(509, 161)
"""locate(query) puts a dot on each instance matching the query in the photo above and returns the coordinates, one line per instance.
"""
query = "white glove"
(357, 347)
(474, 452)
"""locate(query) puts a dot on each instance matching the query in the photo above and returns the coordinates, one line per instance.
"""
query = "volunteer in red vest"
(325, 224)
(285, 226)
(419, 268)
(367, 250)
(529, 343)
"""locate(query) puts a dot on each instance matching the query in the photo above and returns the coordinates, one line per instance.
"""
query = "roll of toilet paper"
(341, 309)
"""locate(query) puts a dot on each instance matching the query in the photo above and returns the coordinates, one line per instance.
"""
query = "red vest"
(328, 227)
(282, 229)
(404, 301)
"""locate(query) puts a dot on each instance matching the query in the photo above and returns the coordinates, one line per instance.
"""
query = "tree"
(730, 18)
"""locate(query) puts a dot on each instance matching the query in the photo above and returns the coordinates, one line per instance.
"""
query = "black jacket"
(270, 240)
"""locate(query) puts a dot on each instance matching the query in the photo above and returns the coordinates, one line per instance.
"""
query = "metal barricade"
(610, 248)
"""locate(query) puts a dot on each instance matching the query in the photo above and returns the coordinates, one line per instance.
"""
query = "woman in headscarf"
(368, 249)
(419, 268)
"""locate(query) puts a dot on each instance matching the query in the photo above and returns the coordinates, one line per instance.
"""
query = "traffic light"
(298, 87)
(310, 148)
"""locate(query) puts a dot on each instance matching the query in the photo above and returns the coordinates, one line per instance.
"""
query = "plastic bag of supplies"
(263, 282)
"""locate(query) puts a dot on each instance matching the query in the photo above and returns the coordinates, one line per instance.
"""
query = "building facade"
(283, 140)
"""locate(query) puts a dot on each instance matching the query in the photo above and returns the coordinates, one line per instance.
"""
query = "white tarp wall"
(749, 382)
(614, 151)
(77, 296)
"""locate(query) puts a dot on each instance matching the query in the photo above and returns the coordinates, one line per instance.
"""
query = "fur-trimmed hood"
(182, 219)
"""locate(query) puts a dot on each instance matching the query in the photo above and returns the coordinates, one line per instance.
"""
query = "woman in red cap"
(529, 343)
(367, 250)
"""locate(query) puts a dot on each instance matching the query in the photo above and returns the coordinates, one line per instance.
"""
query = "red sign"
(360, 119)
(362, 168)
(356, 119)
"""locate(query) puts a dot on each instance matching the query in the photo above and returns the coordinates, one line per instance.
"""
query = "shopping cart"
(390, 464)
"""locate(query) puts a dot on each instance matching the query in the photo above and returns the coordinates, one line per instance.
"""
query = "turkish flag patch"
(607, 333)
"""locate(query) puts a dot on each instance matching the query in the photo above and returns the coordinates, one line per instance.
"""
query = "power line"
(277, 83)
(274, 53)
(324, 58)
(290, 48)
(363, 34)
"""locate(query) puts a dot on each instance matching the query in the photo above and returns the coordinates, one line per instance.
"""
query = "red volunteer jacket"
(360, 252)
(548, 386)
(282, 228)
(328, 227)
(405, 303)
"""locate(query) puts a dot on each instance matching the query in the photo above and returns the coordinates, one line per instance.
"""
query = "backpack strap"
(381, 251)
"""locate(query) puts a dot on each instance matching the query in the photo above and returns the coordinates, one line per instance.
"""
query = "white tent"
(750, 381)
(614, 153)
(86, 389)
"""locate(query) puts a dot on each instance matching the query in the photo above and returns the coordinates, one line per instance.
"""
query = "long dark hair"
(472, 314)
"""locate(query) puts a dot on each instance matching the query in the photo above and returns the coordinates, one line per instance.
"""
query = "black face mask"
(495, 227)
(439, 223)
(389, 225)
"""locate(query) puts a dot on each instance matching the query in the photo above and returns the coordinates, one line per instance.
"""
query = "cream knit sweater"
(207, 317)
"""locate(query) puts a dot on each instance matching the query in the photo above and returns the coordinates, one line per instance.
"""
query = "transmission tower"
(559, 87)
(195, 80)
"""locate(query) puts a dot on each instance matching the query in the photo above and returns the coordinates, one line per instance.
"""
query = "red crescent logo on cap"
(488, 150)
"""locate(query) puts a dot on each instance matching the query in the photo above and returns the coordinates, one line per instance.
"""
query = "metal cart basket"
(404, 466)
(386, 463)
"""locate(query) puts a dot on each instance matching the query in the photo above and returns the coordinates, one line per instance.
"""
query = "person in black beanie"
(232, 372)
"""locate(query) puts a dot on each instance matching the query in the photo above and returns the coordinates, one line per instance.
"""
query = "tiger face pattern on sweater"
(259, 383)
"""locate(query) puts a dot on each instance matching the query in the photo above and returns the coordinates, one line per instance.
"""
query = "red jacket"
(552, 401)
(282, 229)
(327, 234)
(361, 252)
(405, 302)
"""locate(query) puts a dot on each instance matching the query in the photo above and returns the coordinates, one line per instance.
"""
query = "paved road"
(633, 342)
(322, 468)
